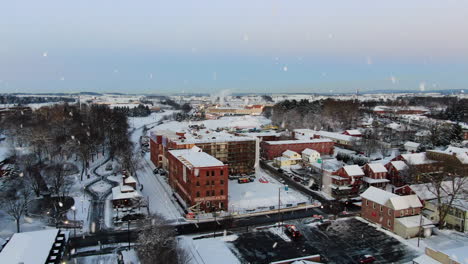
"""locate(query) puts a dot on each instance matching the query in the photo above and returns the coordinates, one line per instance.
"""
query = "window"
(212, 173)
(207, 173)
(207, 183)
(213, 193)
(207, 193)
(212, 183)
(221, 192)
(198, 183)
(402, 213)
(381, 209)
(221, 182)
(367, 203)
(221, 172)
(414, 211)
(389, 212)
(373, 205)
(388, 222)
(198, 194)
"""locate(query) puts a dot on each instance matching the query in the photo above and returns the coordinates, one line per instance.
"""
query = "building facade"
(199, 179)
(272, 149)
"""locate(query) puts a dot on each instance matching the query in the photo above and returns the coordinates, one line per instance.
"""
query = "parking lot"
(341, 241)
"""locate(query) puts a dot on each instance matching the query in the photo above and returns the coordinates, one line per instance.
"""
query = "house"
(397, 171)
(288, 158)
(126, 195)
(375, 175)
(346, 181)
(37, 247)
(457, 216)
(457, 255)
(411, 147)
(452, 156)
(199, 179)
(353, 133)
(419, 162)
(399, 214)
(310, 155)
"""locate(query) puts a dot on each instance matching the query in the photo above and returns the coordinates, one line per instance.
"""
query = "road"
(234, 225)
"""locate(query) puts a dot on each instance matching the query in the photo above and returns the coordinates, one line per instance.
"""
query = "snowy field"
(224, 122)
(209, 250)
(261, 193)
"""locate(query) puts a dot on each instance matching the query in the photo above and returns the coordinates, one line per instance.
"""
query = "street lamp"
(74, 220)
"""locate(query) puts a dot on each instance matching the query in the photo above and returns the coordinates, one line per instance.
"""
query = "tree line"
(328, 114)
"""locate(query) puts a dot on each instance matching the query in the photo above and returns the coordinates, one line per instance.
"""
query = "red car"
(292, 231)
(366, 259)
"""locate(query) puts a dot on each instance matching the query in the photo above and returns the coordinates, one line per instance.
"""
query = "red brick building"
(200, 179)
(397, 171)
(236, 151)
(376, 175)
(346, 182)
(272, 149)
(399, 214)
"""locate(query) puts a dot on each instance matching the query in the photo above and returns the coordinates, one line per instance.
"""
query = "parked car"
(155, 171)
(109, 166)
(243, 180)
(280, 170)
(366, 259)
(293, 232)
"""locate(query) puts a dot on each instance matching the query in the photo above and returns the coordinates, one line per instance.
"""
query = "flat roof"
(192, 158)
(29, 247)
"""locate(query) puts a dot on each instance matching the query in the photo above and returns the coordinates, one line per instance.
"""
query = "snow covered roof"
(29, 247)
(459, 254)
(283, 142)
(117, 193)
(371, 180)
(290, 153)
(377, 195)
(417, 158)
(353, 170)
(425, 259)
(310, 152)
(399, 165)
(195, 159)
(404, 202)
(354, 132)
(281, 158)
(130, 179)
(337, 136)
(377, 167)
(411, 144)
(413, 221)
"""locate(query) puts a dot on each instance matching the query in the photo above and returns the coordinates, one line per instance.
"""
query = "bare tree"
(157, 243)
(448, 184)
(15, 203)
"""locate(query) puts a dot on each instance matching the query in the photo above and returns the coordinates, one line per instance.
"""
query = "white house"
(411, 146)
(310, 155)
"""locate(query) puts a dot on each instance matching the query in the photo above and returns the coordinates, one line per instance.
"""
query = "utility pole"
(279, 205)
(128, 231)
(420, 225)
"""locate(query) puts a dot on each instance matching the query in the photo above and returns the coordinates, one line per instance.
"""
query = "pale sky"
(151, 46)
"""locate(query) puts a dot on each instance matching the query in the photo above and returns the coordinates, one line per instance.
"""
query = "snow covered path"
(160, 198)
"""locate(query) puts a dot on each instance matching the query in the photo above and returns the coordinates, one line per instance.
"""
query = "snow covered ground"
(97, 259)
(158, 192)
(100, 187)
(261, 194)
(230, 122)
(209, 250)
(441, 240)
